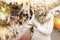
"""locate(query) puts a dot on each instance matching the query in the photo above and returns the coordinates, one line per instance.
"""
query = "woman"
(42, 22)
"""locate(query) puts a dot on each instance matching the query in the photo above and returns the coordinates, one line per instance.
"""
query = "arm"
(55, 10)
(47, 29)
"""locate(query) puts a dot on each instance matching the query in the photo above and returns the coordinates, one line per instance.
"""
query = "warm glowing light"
(2, 16)
(58, 21)
(3, 9)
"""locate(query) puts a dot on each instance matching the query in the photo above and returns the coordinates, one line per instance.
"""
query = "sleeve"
(47, 29)
(55, 10)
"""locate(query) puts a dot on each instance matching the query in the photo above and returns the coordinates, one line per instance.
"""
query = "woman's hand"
(35, 22)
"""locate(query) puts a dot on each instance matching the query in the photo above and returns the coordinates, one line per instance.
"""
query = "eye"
(20, 23)
(26, 10)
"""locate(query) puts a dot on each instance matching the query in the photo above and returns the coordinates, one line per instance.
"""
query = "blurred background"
(56, 32)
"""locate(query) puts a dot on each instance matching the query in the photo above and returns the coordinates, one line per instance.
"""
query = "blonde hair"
(40, 12)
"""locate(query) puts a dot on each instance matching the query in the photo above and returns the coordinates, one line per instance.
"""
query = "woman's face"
(40, 12)
(24, 16)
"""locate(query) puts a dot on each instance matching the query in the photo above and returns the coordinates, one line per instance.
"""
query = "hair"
(40, 12)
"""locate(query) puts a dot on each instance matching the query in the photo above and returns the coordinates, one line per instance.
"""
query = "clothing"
(42, 31)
